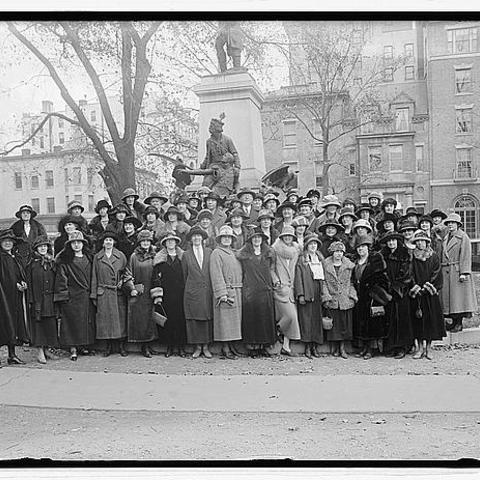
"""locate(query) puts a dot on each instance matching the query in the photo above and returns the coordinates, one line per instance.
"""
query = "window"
(42, 142)
(77, 176)
(90, 175)
(36, 204)
(463, 80)
(91, 203)
(352, 162)
(34, 182)
(93, 116)
(317, 131)
(318, 181)
(289, 133)
(60, 123)
(352, 171)
(462, 40)
(388, 75)
(464, 162)
(395, 154)
(419, 158)
(50, 205)
(388, 52)
(401, 120)
(78, 198)
(409, 72)
(466, 207)
(464, 120)
(409, 51)
(374, 158)
(49, 178)
(18, 181)
(61, 138)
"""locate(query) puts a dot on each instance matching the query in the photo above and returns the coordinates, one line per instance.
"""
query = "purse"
(377, 310)
(327, 323)
(159, 318)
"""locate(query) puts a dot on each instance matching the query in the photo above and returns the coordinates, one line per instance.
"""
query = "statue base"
(236, 94)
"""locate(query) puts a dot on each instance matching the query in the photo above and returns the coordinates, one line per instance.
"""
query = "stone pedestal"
(238, 96)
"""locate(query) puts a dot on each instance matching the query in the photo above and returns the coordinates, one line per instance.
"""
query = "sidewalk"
(238, 393)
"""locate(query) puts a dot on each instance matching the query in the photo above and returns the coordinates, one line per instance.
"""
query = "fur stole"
(400, 254)
(143, 255)
(285, 251)
(423, 255)
(162, 255)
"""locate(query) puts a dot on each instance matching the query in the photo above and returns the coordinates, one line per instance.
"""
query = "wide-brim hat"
(237, 212)
(284, 205)
(204, 189)
(288, 230)
(245, 190)
(256, 231)
(299, 221)
(364, 207)
(9, 235)
(426, 218)
(75, 204)
(76, 236)
(153, 195)
(170, 236)
(362, 223)
(420, 235)
(129, 192)
(151, 209)
(453, 217)
(173, 209)
(119, 207)
(265, 213)
(412, 211)
(387, 217)
(346, 212)
(196, 230)
(313, 192)
(102, 204)
(304, 201)
(214, 196)
(182, 198)
(375, 195)
(41, 240)
(107, 234)
(311, 237)
(26, 208)
(271, 196)
(330, 200)
(389, 201)
(438, 213)
(391, 236)
(406, 225)
(363, 240)
(225, 231)
(204, 214)
(349, 201)
(133, 220)
(144, 235)
(322, 228)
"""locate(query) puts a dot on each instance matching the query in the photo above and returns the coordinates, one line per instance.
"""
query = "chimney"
(47, 106)
(25, 152)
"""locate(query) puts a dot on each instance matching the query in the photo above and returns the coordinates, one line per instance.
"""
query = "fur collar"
(162, 255)
(423, 255)
(285, 251)
(143, 255)
(400, 254)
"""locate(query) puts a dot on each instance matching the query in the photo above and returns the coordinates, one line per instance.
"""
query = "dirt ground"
(448, 360)
(79, 435)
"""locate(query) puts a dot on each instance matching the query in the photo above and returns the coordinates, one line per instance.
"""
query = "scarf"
(423, 255)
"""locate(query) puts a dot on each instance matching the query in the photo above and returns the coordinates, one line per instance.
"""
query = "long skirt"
(44, 332)
(431, 325)
(199, 331)
(310, 319)
(342, 325)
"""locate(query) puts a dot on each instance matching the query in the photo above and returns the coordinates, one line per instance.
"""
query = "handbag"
(327, 320)
(377, 310)
(159, 318)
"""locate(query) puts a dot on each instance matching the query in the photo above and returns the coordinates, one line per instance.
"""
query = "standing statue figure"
(222, 158)
(230, 34)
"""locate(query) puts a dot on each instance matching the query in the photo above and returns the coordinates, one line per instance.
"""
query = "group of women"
(248, 273)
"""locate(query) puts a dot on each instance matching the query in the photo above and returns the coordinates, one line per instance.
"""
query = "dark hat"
(265, 213)
(406, 225)
(387, 217)
(8, 234)
(390, 201)
(76, 236)
(129, 192)
(412, 211)
(438, 213)
(421, 235)
(390, 236)
(196, 230)
(151, 209)
(245, 190)
(426, 218)
(364, 206)
(75, 219)
(26, 208)
(182, 198)
(173, 209)
(349, 201)
(304, 201)
(237, 212)
(73, 204)
(214, 196)
(346, 212)
(119, 207)
(170, 236)
(102, 204)
(256, 231)
(331, 223)
(284, 205)
(107, 234)
(313, 192)
(144, 235)
(133, 220)
(205, 213)
(259, 195)
(363, 240)
(153, 195)
(41, 240)
(311, 237)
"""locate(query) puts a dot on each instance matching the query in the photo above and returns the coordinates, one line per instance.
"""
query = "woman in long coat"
(458, 292)
(309, 288)
(397, 257)
(283, 278)
(106, 293)
(372, 285)
(428, 322)
(339, 298)
(13, 316)
(43, 311)
(226, 275)
(72, 291)
(137, 281)
(168, 276)
(198, 296)
(258, 316)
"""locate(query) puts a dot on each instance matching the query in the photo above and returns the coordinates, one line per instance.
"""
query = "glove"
(301, 300)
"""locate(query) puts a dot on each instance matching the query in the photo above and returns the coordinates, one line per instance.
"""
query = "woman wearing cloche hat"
(458, 292)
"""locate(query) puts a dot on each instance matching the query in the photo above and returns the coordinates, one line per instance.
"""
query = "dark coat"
(127, 244)
(96, 229)
(398, 312)
(198, 296)
(13, 315)
(365, 326)
(258, 315)
(140, 324)
(106, 291)
(25, 248)
(72, 291)
(168, 275)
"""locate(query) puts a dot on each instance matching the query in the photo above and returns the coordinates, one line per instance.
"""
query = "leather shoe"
(197, 352)
(230, 355)
(50, 355)
(15, 361)
(308, 353)
(181, 353)
(169, 352)
(265, 353)
(207, 353)
(146, 352)
(343, 354)
(400, 354)
(123, 351)
(315, 352)
(288, 353)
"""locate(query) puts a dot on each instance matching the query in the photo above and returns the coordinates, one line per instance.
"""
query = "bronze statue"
(231, 35)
